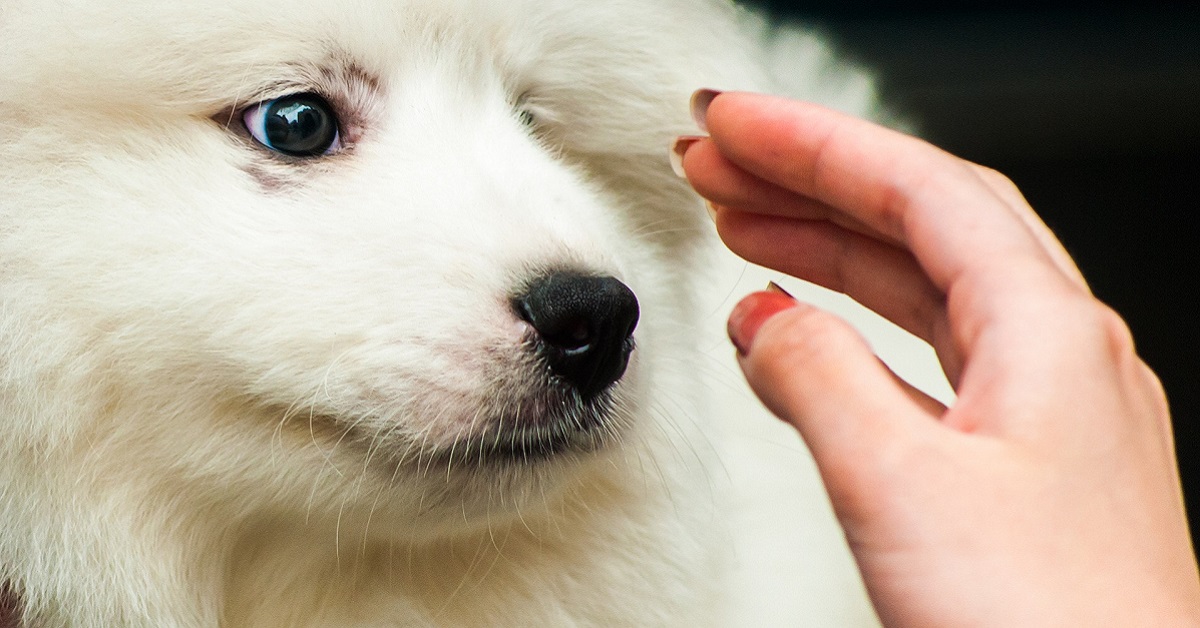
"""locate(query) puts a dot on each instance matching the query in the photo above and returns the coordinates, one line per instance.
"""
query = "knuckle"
(1154, 387)
(1115, 335)
(1099, 331)
(1001, 184)
(996, 178)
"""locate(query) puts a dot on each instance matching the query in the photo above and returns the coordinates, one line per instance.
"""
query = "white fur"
(190, 327)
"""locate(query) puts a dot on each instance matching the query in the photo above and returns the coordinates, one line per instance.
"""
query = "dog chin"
(513, 467)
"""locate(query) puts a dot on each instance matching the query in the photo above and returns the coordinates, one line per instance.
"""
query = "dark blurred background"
(1093, 108)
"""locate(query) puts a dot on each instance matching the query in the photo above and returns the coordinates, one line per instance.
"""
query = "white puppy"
(379, 313)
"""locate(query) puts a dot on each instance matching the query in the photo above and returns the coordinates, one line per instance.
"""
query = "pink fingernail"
(750, 314)
(678, 149)
(701, 99)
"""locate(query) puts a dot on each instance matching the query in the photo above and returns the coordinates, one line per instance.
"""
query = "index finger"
(934, 203)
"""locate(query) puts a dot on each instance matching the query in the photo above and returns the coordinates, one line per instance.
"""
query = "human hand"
(1048, 492)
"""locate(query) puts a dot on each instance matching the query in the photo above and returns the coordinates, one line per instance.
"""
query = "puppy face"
(328, 316)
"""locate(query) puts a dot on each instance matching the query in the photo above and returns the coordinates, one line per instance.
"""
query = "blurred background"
(1093, 108)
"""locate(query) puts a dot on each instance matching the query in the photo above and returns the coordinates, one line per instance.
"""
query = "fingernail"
(701, 99)
(774, 287)
(750, 314)
(678, 149)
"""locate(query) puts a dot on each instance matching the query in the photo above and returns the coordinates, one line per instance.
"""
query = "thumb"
(813, 370)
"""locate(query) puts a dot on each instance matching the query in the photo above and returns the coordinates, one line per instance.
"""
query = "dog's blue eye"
(300, 125)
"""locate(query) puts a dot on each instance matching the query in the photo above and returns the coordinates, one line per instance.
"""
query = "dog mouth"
(550, 429)
(528, 421)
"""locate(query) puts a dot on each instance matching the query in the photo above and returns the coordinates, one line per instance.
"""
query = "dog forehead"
(204, 53)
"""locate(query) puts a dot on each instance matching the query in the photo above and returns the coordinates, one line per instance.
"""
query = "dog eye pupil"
(301, 125)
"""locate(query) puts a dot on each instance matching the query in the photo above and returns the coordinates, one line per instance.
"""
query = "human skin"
(1047, 493)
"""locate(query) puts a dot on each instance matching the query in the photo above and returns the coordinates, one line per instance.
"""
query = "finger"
(724, 184)
(882, 277)
(815, 372)
(903, 187)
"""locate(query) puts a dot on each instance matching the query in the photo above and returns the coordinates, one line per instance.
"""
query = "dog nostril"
(585, 327)
(575, 336)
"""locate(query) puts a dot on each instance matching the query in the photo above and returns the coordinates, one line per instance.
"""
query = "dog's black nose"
(585, 327)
